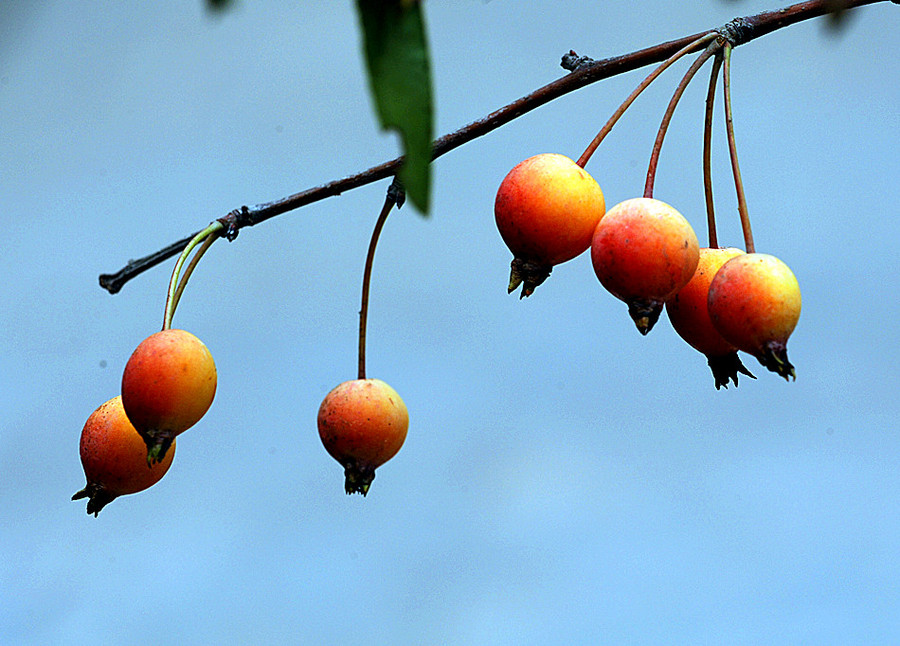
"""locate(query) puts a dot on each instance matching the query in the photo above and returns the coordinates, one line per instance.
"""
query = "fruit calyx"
(158, 441)
(527, 273)
(358, 477)
(645, 314)
(725, 368)
(774, 357)
(98, 497)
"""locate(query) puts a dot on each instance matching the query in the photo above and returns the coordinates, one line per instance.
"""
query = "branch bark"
(738, 32)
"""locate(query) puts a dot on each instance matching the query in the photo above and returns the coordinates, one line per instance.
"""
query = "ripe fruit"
(546, 210)
(114, 458)
(689, 315)
(754, 303)
(643, 252)
(362, 424)
(168, 385)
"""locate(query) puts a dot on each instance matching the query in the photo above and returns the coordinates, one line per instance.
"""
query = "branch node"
(234, 221)
(573, 62)
(737, 31)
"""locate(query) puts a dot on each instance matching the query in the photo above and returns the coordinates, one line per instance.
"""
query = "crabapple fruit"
(689, 315)
(643, 252)
(754, 303)
(546, 210)
(362, 424)
(167, 386)
(114, 458)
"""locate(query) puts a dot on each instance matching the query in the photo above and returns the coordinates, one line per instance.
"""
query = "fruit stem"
(711, 49)
(707, 152)
(732, 150)
(182, 283)
(213, 231)
(586, 155)
(395, 196)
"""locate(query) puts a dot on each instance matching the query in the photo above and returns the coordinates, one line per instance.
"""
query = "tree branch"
(586, 72)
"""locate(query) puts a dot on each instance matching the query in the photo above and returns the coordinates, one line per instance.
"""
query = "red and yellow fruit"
(114, 458)
(168, 385)
(754, 303)
(689, 315)
(362, 424)
(546, 210)
(643, 252)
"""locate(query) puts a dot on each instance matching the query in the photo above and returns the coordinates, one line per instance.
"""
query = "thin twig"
(744, 30)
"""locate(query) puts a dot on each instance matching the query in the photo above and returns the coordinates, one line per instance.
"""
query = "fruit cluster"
(128, 443)
(169, 382)
(549, 210)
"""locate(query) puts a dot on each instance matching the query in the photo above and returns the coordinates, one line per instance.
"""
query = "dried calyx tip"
(158, 444)
(726, 367)
(774, 358)
(645, 314)
(358, 479)
(528, 274)
(98, 497)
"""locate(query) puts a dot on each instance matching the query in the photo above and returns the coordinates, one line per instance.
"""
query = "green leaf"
(400, 80)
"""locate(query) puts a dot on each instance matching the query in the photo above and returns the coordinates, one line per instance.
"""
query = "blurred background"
(564, 480)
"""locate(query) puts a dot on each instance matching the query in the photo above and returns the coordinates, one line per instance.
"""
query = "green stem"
(586, 155)
(707, 152)
(711, 49)
(182, 283)
(732, 150)
(207, 236)
(394, 196)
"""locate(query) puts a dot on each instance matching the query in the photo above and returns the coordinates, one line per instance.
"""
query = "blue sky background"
(564, 480)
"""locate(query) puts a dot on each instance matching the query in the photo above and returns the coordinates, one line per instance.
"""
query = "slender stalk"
(195, 259)
(174, 293)
(394, 197)
(707, 152)
(662, 67)
(711, 49)
(732, 150)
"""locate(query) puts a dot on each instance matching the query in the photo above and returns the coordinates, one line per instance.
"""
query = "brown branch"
(738, 31)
